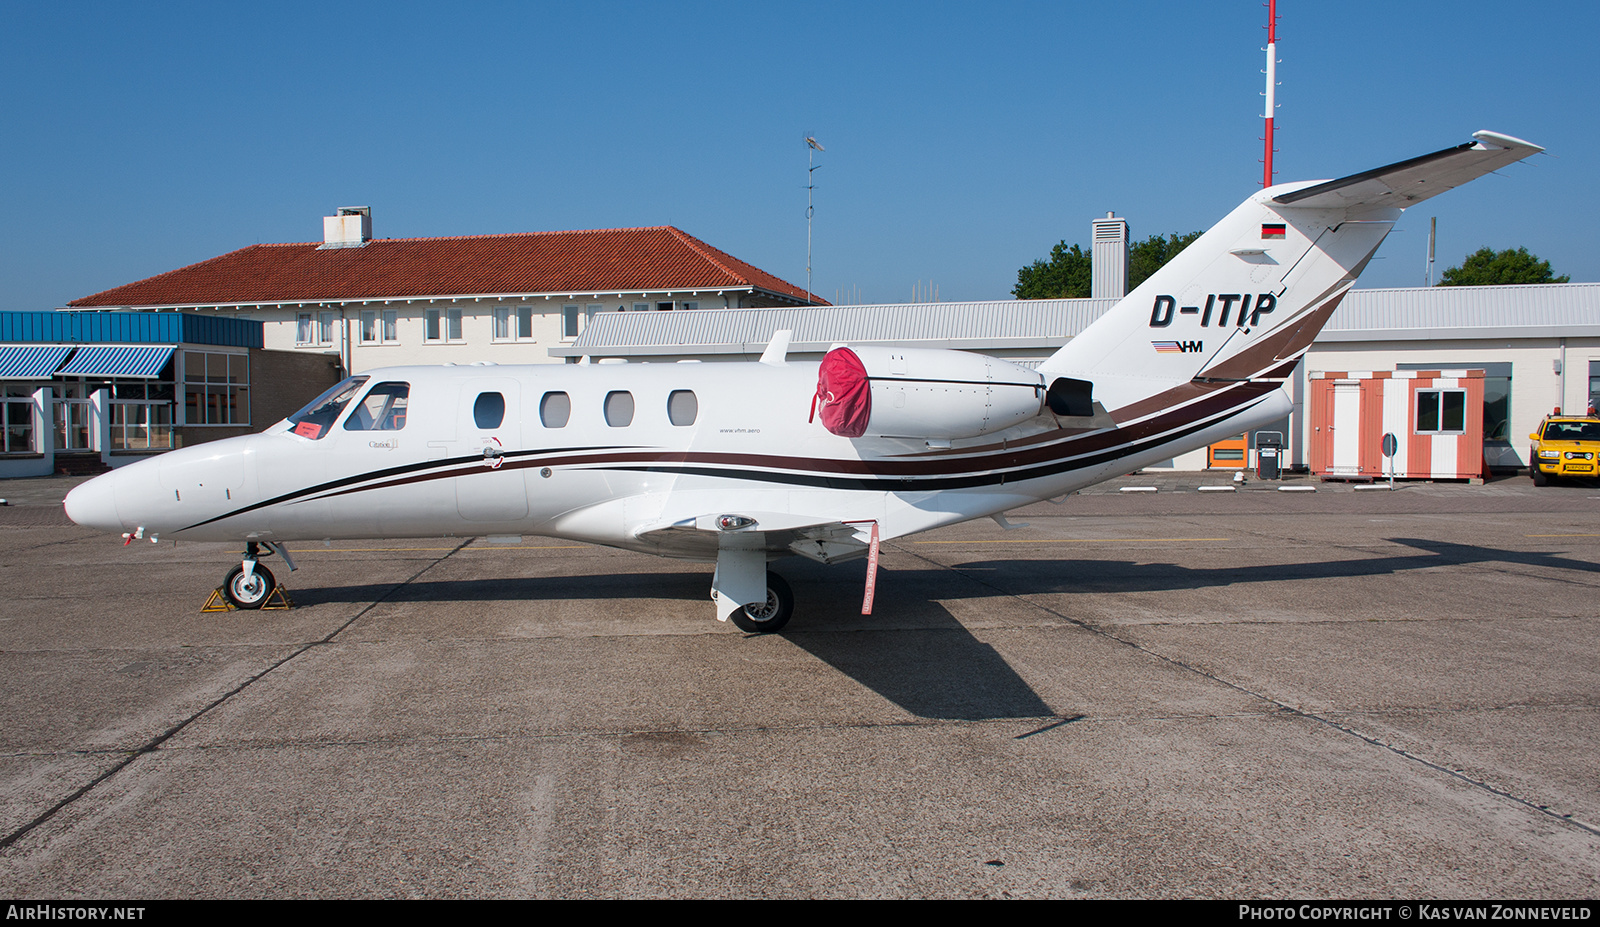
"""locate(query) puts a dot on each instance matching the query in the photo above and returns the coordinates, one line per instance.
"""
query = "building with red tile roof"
(379, 302)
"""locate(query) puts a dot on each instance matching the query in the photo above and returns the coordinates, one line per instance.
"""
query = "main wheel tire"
(771, 615)
(248, 591)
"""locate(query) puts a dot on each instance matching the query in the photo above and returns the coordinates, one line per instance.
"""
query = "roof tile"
(595, 261)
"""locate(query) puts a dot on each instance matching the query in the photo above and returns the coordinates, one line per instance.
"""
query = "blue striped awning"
(31, 361)
(120, 360)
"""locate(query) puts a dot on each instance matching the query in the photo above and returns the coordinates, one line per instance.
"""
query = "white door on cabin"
(1346, 429)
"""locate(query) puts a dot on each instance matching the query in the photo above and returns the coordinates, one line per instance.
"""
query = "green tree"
(1148, 256)
(1067, 274)
(1487, 267)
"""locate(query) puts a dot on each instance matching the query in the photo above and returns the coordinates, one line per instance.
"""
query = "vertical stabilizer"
(1246, 299)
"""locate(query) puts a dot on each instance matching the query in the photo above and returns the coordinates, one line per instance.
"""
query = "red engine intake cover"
(844, 394)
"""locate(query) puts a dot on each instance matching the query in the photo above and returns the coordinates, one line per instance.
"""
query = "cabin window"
(318, 415)
(619, 409)
(1441, 411)
(382, 409)
(489, 411)
(682, 407)
(555, 409)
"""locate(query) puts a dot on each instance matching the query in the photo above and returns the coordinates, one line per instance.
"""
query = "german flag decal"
(1273, 230)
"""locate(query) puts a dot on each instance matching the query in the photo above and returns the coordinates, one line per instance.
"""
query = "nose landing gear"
(251, 585)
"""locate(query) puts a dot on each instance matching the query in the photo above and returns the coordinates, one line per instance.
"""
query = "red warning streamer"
(872, 571)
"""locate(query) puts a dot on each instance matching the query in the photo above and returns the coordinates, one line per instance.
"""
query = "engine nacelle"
(922, 393)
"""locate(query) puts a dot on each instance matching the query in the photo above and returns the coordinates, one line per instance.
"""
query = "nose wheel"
(251, 585)
(250, 590)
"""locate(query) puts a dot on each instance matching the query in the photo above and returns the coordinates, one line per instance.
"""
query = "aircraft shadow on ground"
(913, 651)
(1024, 577)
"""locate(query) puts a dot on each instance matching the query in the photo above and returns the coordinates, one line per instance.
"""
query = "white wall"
(477, 342)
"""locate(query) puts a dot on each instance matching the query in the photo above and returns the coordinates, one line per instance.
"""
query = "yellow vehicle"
(1564, 445)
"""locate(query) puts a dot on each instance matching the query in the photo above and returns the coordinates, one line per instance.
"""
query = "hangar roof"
(656, 259)
(1422, 313)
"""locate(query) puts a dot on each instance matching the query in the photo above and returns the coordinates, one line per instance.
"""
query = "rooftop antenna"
(812, 146)
(1272, 83)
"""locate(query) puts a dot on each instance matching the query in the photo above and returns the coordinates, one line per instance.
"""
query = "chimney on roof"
(1109, 276)
(350, 228)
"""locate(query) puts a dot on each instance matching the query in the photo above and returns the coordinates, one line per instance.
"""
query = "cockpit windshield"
(319, 414)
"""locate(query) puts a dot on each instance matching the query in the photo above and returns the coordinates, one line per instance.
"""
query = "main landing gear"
(251, 585)
(745, 592)
(769, 616)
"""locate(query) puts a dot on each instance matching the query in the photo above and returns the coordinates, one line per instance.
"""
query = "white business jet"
(741, 464)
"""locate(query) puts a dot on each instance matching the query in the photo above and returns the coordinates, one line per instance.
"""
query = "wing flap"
(1411, 181)
(701, 537)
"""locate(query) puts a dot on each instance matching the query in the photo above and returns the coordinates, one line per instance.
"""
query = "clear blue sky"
(963, 139)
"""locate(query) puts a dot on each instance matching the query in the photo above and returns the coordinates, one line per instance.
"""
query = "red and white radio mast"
(1272, 83)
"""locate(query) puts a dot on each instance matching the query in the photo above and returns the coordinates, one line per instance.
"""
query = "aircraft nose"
(94, 504)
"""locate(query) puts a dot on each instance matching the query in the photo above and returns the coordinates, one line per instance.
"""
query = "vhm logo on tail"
(1220, 304)
(1179, 347)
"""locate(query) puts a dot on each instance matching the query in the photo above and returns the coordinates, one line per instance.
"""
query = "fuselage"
(602, 452)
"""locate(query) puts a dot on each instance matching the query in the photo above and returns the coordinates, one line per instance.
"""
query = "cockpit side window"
(382, 409)
(317, 417)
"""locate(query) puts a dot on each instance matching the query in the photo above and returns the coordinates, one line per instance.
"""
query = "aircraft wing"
(1412, 181)
(702, 536)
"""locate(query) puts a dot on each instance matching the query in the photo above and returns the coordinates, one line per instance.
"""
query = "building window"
(325, 327)
(380, 327)
(216, 389)
(569, 322)
(1594, 383)
(1441, 411)
(302, 328)
(513, 323)
(142, 414)
(441, 325)
(641, 307)
(16, 421)
(691, 305)
(682, 407)
(1496, 396)
(664, 306)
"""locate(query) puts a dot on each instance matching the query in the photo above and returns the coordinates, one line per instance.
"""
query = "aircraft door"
(490, 426)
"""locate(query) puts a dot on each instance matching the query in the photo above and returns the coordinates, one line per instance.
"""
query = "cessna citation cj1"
(745, 463)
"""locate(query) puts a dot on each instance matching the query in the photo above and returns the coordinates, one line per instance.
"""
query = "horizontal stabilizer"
(1412, 181)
